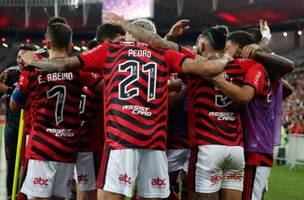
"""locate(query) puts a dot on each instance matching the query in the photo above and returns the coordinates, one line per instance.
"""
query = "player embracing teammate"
(135, 94)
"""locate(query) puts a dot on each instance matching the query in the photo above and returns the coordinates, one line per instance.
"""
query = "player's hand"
(228, 57)
(175, 85)
(250, 50)
(3, 76)
(265, 30)
(178, 29)
(114, 18)
(28, 57)
(264, 26)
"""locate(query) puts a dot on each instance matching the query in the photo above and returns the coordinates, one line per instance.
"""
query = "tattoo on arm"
(148, 37)
(204, 67)
(58, 64)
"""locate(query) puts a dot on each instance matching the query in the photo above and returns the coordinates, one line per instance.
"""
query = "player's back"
(55, 117)
(215, 118)
(136, 93)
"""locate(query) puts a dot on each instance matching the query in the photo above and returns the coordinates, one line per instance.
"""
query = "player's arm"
(287, 89)
(277, 66)
(52, 65)
(241, 95)
(177, 29)
(88, 61)
(254, 82)
(141, 34)
(18, 99)
(205, 67)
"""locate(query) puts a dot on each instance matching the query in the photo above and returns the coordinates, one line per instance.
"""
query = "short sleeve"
(23, 83)
(93, 60)
(174, 60)
(256, 77)
(90, 79)
(187, 52)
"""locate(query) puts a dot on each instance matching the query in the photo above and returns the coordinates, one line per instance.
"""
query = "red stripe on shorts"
(249, 177)
(192, 168)
(103, 169)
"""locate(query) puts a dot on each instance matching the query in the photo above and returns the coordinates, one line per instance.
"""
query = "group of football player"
(141, 116)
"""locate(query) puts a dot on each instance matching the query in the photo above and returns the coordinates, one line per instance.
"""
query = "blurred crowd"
(293, 110)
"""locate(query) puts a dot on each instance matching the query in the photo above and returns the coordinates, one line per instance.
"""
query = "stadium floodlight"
(299, 32)
(76, 48)
(285, 34)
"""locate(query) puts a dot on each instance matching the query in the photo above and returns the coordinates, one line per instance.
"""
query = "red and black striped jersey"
(91, 111)
(259, 159)
(55, 115)
(135, 92)
(215, 118)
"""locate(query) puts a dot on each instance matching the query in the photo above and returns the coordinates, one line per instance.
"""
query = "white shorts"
(215, 167)
(48, 178)
(178, 159)
(260, 182)
(120, 169)
(84, 172)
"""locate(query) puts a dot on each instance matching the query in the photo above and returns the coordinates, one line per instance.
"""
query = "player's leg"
(117, 173)
(105, 195)
(85, 176)
(260, 182)
(233, 174)
(184, 175)
(37, 198)
(176, 163)
(86, 195)
(205, 172)
(153, 177)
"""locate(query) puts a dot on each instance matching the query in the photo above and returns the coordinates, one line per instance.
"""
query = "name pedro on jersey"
(139, 53)
(56, 76)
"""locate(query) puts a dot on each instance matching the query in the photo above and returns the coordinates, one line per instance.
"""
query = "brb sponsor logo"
(125, 179)
(82, 178)
(235, 176)
(38, 181)
(158, 182)
(216, 178)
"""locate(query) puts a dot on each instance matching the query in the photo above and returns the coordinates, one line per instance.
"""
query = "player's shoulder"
(248, 63)
(28, 69)
(244, 61)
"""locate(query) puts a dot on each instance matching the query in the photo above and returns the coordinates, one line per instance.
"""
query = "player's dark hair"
(216, 37)
(256, 34)
(28, 47)
(223, 29)
(54, 20)
(92, 44)
(60, 35)
(242, 38)
(108, 32)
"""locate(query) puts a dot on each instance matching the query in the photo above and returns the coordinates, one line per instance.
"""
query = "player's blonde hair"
(145, 23)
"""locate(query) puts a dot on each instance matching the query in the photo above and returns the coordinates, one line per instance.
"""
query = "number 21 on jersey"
(135, 68)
